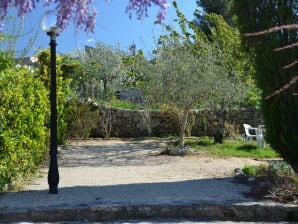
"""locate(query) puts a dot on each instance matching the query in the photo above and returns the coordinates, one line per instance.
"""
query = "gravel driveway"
(114, 162)
(118, 172)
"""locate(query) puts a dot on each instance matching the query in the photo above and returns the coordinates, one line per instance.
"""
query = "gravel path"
(118, 172)
(114, 162)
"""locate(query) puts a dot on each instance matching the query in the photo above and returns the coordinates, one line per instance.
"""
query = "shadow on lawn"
(247, 147)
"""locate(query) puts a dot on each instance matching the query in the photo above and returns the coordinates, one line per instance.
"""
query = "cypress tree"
(280, 110)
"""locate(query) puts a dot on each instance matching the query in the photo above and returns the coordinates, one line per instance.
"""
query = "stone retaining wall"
(141, 123)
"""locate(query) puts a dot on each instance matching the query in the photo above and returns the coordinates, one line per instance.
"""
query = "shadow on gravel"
(216, 198)
(217, 190)
(107, 153)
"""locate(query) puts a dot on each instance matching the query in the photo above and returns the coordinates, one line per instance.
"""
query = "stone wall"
(141, 123)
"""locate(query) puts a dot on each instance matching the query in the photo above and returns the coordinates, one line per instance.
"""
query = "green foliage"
(237, 63)
(166, 85)
(274, 168)
(205, 141)
(296, 181)
(281, 168)
(228, 65)
(233, 148)
(280, 111)
(214, 69)
(23, 114)
(254, 171)
(220, 7)
(102, 65)
(6, 61)
(63, 88)
(12, 32)
(170, 110)
(132, 65)
(121, 104)
(81, 119)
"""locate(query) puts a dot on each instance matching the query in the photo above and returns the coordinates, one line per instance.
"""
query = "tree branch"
(273, 29)
(292, 82)
(287, 47)
(290, 65)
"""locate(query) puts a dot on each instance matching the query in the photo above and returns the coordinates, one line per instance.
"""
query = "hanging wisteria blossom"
(141, 8)
(81, 12)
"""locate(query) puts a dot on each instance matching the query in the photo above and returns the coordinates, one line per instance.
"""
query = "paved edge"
(236, 212)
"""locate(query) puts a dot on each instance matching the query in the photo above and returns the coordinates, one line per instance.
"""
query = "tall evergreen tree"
(281, 110)
(219, 7)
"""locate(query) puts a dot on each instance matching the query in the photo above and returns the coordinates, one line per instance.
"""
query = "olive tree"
(226, 92)
(178, 77)
(225, 86)
(102, 65)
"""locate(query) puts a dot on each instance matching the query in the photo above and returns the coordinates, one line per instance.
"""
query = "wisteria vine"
(81, 12)
(141, 8)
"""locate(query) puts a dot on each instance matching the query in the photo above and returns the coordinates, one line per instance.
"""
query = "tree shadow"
(120, 153)
(212, 191)
(247, 147)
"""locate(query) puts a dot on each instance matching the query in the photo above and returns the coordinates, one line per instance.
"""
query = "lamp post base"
(53, 189)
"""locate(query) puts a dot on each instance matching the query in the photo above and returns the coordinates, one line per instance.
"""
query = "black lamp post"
(48, 24)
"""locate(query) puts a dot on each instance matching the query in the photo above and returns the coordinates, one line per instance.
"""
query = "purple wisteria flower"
(141, 8)
(81, 12)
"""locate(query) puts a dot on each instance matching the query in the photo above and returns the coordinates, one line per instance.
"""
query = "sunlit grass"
(232, 148)
(122, 104)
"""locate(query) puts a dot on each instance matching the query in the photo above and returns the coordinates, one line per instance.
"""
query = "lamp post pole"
(53, 175)
(49, 25)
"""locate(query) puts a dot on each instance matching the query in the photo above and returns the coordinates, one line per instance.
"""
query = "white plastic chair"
(248, 134)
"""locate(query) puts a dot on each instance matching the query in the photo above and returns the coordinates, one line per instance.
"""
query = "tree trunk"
(219, 135)
(105, 91)
(183, 126)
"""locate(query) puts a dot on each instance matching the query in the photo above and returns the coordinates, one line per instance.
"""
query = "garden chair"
(250, 132)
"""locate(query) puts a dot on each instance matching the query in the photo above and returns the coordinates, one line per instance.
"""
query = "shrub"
(281, 168)
(63, 89)
(23, 114)
(280, 111)
(82, 119)
(254, 171)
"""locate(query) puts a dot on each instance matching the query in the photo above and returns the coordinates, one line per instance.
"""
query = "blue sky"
(113, 27)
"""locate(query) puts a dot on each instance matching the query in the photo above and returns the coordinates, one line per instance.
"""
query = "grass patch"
(255, 171)
(122, 104)
(231, 148)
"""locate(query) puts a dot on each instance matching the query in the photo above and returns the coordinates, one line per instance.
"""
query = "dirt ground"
(140, 161)
(129, 172)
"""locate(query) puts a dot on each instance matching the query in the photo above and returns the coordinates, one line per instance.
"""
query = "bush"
(63, 89)
(254, 171)
(23, 134)
(281, 168)
(82, 119)
(280, 111)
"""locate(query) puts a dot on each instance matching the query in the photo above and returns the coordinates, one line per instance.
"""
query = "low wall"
(141, 123)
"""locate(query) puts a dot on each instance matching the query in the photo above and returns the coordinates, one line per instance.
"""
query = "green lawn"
(231, 148)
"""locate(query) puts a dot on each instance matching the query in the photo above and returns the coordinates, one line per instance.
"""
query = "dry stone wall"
(141, 123)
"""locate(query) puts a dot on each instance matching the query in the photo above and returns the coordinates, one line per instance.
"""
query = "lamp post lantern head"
(49, 23)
